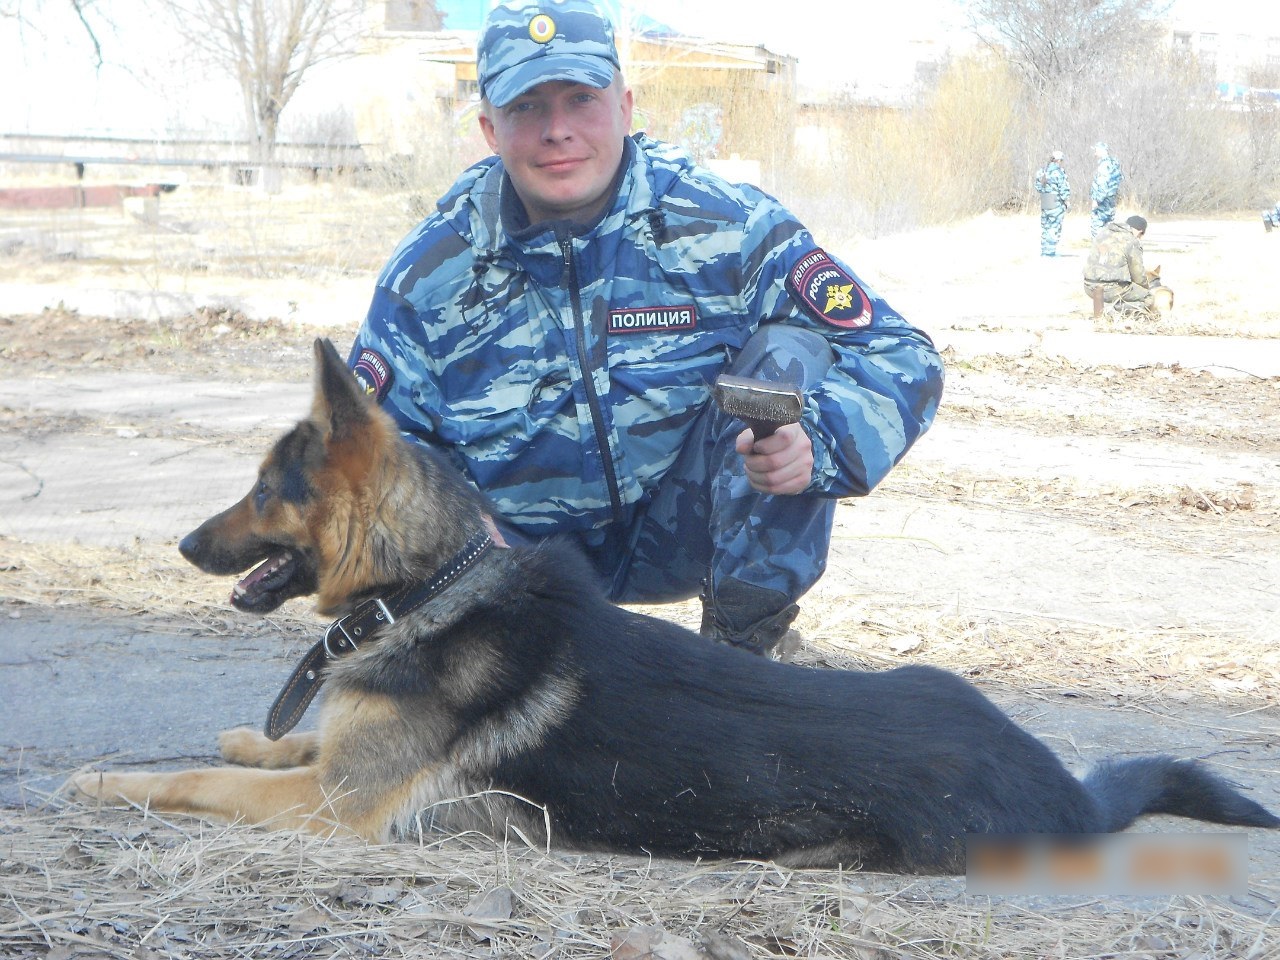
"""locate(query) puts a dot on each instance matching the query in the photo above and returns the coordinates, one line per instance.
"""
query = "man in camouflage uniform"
(1105, 188)
(1055, 192)
(1115, 265)
(557, 324)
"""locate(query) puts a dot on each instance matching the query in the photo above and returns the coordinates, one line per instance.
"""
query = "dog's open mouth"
(281, 576)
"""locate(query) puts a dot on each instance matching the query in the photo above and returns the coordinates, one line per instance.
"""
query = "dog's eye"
(260, 495)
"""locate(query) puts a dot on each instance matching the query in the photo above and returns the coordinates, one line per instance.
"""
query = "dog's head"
(303, 523)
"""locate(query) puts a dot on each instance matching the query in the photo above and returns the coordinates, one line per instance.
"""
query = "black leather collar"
(362, 625)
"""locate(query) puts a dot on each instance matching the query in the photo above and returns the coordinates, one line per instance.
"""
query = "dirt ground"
(1095, 542)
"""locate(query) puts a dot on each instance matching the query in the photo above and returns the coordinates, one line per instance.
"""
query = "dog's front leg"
(281, 799)
(249, 748)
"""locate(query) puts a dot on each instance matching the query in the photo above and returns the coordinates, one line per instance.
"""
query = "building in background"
(1238, 49)
(729, 103)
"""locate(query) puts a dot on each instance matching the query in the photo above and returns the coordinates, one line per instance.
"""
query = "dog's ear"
(339, 400)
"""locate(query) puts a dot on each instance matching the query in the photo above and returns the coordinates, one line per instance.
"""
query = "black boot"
(753, 618)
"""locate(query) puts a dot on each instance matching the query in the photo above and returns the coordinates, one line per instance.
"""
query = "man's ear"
(486, 126)
(339, 401)
(628, 106)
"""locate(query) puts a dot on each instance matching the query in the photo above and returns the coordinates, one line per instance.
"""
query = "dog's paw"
(84, 786)
(243, 746)
(96, 786)
(249, 748)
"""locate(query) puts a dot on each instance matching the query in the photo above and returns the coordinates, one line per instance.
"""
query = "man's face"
(561, 144)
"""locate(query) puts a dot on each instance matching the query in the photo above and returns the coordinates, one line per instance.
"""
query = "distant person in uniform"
(1055, 193)
(1105, 188)
(1271, 218)
(1115, 266)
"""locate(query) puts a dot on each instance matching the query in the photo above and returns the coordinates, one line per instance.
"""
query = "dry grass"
(98, 884)
(147, 581)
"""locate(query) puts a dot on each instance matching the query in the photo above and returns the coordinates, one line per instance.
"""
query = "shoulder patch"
(373, 373)
(827, 291)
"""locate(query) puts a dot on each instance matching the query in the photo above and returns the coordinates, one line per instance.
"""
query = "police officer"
(1105, 188)
(557, 324)
(1271, 218)
(1055, 193)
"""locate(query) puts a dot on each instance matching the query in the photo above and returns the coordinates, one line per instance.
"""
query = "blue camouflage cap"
(529, 42)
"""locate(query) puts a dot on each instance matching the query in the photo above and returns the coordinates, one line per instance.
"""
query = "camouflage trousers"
(705, 520)
(1103, 214)
(1051, 230)
(1125, 296)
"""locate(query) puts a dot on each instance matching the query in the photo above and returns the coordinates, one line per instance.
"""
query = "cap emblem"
(542, 29)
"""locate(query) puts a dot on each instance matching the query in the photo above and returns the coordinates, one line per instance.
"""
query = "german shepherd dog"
(1161, 296)
(515, 696)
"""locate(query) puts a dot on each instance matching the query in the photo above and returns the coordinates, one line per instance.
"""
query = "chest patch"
(373, 373)
(828, 292)
(653, 319)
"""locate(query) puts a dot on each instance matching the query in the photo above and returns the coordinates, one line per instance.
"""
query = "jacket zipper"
(588, 381)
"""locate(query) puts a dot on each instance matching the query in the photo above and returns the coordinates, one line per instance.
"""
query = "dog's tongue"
(244, 591)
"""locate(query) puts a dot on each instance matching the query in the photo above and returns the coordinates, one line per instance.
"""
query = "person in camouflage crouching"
(556, 326)
(1055, 193)
(1105, 188)
(1115, 266)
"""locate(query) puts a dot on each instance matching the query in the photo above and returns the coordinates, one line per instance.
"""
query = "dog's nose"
(189, 547)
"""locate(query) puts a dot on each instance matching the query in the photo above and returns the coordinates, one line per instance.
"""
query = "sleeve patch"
(828, 292)
(373, 373)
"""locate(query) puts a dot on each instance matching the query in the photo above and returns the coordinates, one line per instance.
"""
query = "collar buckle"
(337, 641)
(347, 633)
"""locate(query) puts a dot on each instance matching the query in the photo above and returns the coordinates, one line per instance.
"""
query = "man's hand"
(778, 464)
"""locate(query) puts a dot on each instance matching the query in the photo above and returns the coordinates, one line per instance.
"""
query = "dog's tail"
(1126, 789)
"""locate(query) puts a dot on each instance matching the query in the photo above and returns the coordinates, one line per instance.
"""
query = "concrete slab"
(162, 455)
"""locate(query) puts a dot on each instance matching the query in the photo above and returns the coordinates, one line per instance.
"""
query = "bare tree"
(1055, 42)
(266, 46)
(17, 10)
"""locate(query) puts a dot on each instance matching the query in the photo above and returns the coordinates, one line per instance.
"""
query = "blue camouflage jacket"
(1106, 180)
(1052, 180)
(564, 369)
